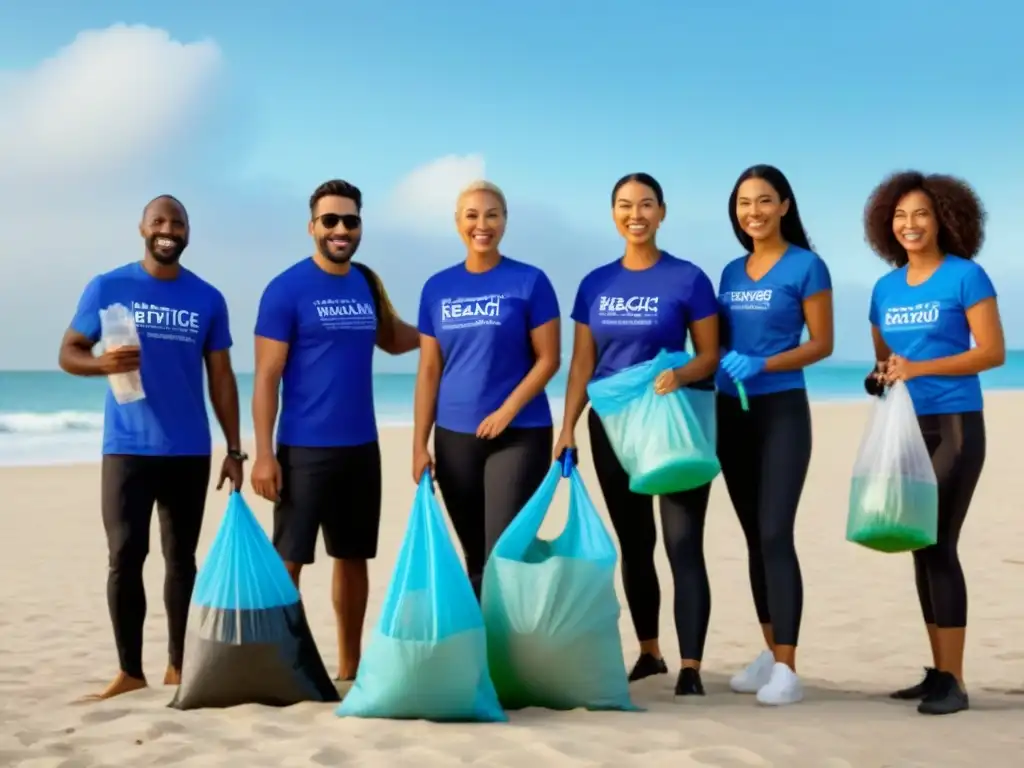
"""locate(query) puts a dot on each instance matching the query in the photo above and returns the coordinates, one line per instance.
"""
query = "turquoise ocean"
(49, 417)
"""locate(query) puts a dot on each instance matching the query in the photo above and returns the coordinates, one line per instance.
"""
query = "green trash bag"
(550, 608)
(894, 496)
(665, 443)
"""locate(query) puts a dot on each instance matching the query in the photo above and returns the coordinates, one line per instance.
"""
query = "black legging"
(764, 455)
(682, 524)
(956, 443)
(130, 486)
(484, 484)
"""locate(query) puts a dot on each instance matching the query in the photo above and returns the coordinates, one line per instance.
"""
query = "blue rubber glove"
(742, 367)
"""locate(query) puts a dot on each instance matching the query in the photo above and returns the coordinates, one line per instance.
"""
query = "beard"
(342, 256)
(162, 255)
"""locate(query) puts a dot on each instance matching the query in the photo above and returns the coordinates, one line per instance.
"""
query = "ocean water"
(49, 417)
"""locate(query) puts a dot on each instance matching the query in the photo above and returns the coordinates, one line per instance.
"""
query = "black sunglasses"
(331, 220)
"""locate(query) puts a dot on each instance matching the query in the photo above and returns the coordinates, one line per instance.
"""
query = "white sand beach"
(861, 637)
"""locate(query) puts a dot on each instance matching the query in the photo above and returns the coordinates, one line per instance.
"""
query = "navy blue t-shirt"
(330, 326)
(634, 314)
(482, 322)
(929, 321)
(179, 321)
(765, 317)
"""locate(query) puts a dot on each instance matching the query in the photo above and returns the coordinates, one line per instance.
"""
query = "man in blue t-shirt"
(316, 330)
(156, 432)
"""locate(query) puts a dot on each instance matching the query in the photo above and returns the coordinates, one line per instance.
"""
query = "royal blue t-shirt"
(928, 321)
(179, 321)
(482, 322)
(765, 317)
(634, 314)
(330, 326)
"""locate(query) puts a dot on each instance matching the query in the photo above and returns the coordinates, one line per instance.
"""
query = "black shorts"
(336, 489)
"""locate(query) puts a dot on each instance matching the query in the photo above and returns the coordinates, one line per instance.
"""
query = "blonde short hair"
(482, 186)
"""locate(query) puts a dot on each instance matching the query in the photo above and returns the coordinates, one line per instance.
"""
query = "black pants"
(682, 525)
(130, 487)
(336, 490)
(956, 443)
(764, 455)
(484, 484)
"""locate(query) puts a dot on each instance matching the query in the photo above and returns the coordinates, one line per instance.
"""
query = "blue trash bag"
(248, 641)
(427, 659)
(665, 443)
(550, 607)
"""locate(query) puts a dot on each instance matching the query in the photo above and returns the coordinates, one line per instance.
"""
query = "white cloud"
(86, 137)
(106, 100)
(424, 200)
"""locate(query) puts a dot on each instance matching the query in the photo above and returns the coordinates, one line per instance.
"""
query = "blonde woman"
(489, 344)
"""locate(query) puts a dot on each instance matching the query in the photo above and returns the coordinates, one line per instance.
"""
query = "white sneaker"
(783, 687)
(755, 676)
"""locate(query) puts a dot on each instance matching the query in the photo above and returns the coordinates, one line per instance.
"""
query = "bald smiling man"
(156, 451)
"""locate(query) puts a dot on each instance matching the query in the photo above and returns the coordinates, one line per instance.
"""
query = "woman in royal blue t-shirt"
(923, 315)
(489, 344)
(768, 297)
(625, 313)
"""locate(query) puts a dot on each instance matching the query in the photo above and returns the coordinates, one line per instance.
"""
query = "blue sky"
(555, 100)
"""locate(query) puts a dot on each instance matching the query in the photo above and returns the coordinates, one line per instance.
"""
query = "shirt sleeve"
(425, 322)
(873, 312)
(219, 336)
(543, 304)
(703, 301)
(817, 279)
(275, 318)
(87, 315)
(581, 306)
(975, 287)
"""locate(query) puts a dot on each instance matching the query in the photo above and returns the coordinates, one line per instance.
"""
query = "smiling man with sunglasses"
(318, 324)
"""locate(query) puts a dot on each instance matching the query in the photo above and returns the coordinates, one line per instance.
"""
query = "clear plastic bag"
(894, 496)
(117, 329)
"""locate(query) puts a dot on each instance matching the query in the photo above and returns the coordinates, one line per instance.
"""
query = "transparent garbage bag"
(894, 496)
(117, 329)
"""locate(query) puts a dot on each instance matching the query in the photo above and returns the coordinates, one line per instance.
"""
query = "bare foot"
(121, 684)
(172, 676)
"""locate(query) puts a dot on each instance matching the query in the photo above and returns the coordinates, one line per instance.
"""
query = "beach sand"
(861, 637)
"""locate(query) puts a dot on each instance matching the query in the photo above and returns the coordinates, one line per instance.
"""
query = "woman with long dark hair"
(930, 229)
(767, 298)
(626, 312)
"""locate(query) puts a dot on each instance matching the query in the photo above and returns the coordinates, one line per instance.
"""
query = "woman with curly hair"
(923, 316)
(767, 297)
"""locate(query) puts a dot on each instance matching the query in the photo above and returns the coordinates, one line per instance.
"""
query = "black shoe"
(946, 698)
(921, 690)
(646, 666)
(688, 683)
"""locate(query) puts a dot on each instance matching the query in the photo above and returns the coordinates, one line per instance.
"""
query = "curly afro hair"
(958, 210)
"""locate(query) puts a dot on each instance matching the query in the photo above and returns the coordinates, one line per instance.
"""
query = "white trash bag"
(894, 496)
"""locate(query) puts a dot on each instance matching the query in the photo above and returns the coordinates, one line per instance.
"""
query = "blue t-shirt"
(179, 321)
(634, 314)
(928, 321)
(330, 326)
(766, 317)
(482, 322)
